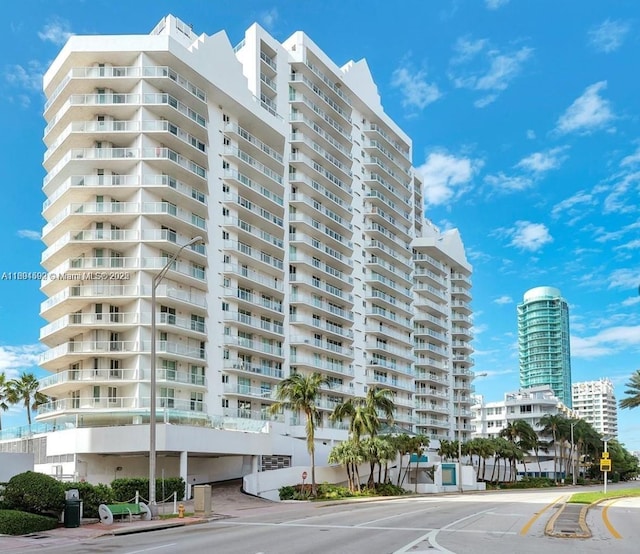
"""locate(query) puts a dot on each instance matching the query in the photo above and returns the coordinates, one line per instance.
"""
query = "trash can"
(72, 508)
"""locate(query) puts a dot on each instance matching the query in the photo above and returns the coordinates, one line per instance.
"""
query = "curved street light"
(152, 392)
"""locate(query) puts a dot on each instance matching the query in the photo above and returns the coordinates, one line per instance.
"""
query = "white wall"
(13, 463)
(267, 483)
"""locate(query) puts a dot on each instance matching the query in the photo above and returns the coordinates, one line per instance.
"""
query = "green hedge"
(14, 522)
(34, 492)
(92, 496)
(125, 489)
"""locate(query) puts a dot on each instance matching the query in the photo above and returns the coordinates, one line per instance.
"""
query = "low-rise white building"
(531, 405)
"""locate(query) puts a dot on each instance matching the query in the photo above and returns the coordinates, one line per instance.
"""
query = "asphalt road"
(496, 523)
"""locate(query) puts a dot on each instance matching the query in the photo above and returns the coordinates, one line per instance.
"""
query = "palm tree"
(633, 392)
(364, 412)
(6, 395)
(351, 455)
(521, 434)
(552, 424)
(299, 393)
(25, 389)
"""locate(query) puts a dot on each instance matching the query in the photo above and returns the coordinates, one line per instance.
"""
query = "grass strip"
(590, 497)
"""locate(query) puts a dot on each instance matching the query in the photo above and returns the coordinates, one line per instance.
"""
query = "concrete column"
(184, 473)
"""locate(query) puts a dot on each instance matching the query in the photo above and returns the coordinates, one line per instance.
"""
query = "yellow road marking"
(607, 523)
(535, 517)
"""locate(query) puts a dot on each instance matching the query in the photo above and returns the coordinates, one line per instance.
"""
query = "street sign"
(605, 464)
(605, 455)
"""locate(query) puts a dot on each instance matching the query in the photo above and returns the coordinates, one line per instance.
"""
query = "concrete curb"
(585, 532)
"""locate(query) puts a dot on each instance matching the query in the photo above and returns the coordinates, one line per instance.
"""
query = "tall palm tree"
(6, 395)
(299, 393)
(633, 392)
(552, 424)
(521, 434)
(25, 389)
(363, 412)
(351, 455)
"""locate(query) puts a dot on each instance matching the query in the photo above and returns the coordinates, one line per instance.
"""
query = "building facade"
(308, 251)
(530, 405)
(595, 401)
(543, 342)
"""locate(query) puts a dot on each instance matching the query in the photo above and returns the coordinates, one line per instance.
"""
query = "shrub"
(530, 483)
(92, 496)
(3, 503)
(34, 492)
(125, 489)
(13, 522)
(389, 489)
(287, 493)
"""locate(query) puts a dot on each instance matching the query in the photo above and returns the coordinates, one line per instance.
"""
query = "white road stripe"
(224, 523)
(152, 548)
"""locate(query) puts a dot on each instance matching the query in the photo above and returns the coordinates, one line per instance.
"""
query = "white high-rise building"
(595, 401)
(315, 255)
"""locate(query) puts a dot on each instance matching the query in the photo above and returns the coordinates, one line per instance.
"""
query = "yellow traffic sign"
(605, 455)
(605, 465)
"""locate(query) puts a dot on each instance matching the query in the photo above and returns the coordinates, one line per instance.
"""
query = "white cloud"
(15, 359)
(485, 100)
(502, 69)
(632, 301)
(57, 31)
(624, 278)
(467, 49)
(416, 91)
(606, 342)
(529, 236)
(29, 234)
(631, 159)
(446, 176)
(631, 245)
(268, 19)
(609, 35)
(503, 300)
(540, 162)
(506, 183)
(531, 134)
(589, 112)
(617, 200)
(573, 209)
(495, 4)
(27, 77)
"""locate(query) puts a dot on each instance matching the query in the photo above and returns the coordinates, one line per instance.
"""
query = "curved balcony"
(249, 323)
(313, 364)
(264, 372)
(70, 325)
(85, 187)
(64, 382)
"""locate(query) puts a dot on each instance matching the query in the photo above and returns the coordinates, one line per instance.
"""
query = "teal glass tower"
(543, 342)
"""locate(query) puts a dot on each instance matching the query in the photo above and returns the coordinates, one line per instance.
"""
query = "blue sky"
(525, 123)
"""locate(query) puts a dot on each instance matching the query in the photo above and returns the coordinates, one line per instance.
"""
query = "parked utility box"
(202, 499)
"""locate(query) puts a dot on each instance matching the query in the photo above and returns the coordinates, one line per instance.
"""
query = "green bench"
(108, 512)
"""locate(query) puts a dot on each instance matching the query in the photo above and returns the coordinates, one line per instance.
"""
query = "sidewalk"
(91, 529)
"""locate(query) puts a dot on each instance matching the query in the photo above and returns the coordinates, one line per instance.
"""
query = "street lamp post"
(606, 440)
(152, 390)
